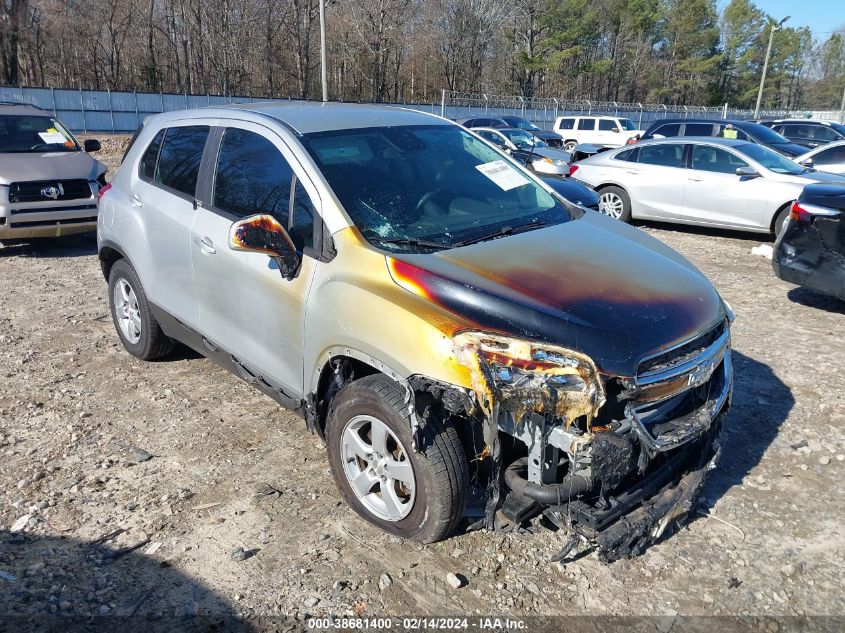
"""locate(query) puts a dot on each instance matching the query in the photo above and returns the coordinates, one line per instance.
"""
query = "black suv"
(807, 133)
(741, 130)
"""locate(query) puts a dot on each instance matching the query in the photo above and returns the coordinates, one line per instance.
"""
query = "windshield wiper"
(413, 241)
(502, 232)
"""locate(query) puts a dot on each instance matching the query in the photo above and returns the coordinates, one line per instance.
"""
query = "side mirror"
(616, 129)
(807, 162)
(746, 172)
(91, 145)
(264, 234)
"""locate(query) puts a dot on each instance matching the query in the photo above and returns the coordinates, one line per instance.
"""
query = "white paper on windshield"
(52, 137)
(503, 174)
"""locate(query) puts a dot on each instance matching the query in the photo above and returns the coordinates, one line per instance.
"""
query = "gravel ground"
(171, 489)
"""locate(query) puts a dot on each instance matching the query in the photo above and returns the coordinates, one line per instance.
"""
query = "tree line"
(667, 51)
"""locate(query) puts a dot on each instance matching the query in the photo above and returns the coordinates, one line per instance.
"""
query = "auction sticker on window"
(503, 174)
(52, 136)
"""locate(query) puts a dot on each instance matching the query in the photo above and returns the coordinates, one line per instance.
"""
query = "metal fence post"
(186, 100)
(82, 106)
(53, 95)
(640, 121)
(161, 99)
(137, 116)
(589, 107)
(555, 119)
(111, 111)
(443, 103)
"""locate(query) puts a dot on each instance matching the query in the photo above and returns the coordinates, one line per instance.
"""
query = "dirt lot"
(171, 488)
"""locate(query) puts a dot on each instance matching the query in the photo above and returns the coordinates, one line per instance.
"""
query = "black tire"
(623, 196)
(440, 467)
(153, 343)
(781, 218)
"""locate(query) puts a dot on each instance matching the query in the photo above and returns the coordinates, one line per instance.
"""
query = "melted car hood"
(19, 167)
(593, 284)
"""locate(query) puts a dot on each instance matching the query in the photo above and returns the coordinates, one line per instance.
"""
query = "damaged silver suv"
(469, 344)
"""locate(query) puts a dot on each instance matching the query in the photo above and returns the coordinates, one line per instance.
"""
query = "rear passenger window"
(147, 169)
(664, 155)
(698, 129)
(180, 156)
(566, 124)
(587, 124)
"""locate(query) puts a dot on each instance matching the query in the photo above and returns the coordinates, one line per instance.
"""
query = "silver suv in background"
(48, 181)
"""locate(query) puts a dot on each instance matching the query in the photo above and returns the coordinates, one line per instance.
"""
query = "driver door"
(247, 308)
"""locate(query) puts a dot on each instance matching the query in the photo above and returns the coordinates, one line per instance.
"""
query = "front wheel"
(413, 495)
(614, 201)
(570, 146)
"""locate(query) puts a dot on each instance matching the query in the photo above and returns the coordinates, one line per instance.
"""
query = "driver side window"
(709, 158)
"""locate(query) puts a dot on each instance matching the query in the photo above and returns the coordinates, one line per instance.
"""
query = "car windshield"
(34, 134)
(838, 127)
(426, 187)
(763, 134)
(521, 138)
(771, 160)
(522, 124)
(627, 124)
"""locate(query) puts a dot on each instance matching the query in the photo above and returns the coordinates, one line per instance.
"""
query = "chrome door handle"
(632, 171)
(136, 201)
(695, 179)
(205, 244)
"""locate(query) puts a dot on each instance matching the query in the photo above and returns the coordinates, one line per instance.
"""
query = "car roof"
(500, 128)
(734, 122)
(806, 121)
(591, 116)
(21, 109)
(712, 140)
(308, 117)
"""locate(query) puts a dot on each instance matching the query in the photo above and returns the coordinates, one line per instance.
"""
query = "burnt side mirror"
(264, 234)
(91, 145)
(746, 172)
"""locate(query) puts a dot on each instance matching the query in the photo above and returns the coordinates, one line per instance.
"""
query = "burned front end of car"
(613, 459)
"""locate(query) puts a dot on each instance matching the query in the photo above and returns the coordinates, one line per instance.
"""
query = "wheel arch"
(109, 254)
(777, 213)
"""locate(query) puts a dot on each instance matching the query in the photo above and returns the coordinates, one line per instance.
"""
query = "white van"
(608, 131)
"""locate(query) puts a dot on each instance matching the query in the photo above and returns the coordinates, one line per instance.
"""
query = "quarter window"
(150, 157)
(670, 155)
(708, 158)
(587, 124)
(179, 158)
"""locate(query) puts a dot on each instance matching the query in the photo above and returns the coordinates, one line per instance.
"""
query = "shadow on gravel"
(813, 299)
(703, 230)
(58, 584)
(761, 403)
(70, 246)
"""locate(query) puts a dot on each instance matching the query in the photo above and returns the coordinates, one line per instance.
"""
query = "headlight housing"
(525, 376)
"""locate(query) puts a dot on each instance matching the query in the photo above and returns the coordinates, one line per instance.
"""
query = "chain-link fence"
(544, 111)
(112, 111)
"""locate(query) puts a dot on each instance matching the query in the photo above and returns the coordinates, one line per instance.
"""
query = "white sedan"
(715, 182)
(829, 158)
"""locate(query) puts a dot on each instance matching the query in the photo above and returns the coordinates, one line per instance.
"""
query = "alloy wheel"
(127, 311)
(611, 204)
(378, 468)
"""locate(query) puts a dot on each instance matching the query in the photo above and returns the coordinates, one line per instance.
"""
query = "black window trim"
(322, 249)
(196, 200)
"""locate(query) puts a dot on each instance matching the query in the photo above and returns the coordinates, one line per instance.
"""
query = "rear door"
(714, 194)
(164, 191)
(830, 159)
(656, 181)
(247, 309)
(586, 132)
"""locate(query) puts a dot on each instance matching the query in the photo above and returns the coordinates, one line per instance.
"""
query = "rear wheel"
(413, 495)
(570, 145)
(614, 201)
(780, 221)
(133, 319)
